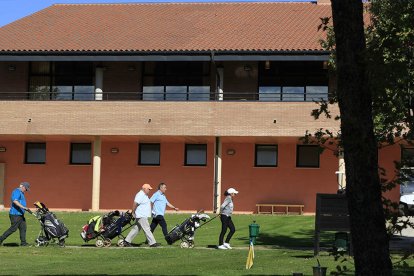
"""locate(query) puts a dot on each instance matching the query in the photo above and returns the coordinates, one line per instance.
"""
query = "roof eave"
(204, 55)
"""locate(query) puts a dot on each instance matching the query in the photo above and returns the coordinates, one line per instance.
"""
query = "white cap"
(232, 191)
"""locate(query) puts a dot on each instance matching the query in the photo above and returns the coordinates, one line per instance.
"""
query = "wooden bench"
(276, 208)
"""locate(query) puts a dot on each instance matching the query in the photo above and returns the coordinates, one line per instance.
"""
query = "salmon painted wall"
(60, 185)
(188, 187)
(56, 183)
(282, 184)
(387, 156)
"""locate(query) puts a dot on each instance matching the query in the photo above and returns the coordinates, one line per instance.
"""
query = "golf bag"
(186, 230)
(51, 228)
(107, 227)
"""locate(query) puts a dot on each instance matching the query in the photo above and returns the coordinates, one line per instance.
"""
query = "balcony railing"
(140, 96)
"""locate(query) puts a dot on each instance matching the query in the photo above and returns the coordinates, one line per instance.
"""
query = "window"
(80, 153)
(195, 154)
(35, 153)
(293, 81)
(407, 157)
(266, 156)
(176, 81)
(307, 156)
(61, 81)
(149, 154)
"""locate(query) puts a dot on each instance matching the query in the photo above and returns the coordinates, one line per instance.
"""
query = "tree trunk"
(369, 237)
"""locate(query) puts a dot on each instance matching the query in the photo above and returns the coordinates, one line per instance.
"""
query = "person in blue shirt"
(16, 214)
(160, 202)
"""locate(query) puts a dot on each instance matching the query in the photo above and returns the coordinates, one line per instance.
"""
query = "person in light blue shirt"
(160, 202)
(16, 213)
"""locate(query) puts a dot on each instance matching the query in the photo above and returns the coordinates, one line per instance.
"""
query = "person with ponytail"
(226, 210)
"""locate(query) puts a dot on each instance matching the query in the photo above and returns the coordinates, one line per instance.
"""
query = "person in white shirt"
(141, 210)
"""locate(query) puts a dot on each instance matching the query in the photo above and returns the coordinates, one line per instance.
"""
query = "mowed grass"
(285, 246)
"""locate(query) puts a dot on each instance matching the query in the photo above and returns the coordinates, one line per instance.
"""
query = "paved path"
(405, 241)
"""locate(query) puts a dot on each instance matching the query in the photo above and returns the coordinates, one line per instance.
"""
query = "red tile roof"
(168, 27)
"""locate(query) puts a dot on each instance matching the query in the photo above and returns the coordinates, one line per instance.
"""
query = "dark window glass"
(307, 156)
(80, 153)
(195, 154)
(35, 153)
(176, 81)
(40, 67)
(149, 154)
(266, 156)
(293, 81)
(407, 157)
(61, 81)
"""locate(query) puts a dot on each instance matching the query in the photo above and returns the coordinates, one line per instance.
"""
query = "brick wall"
(160, 118)
(16, 80)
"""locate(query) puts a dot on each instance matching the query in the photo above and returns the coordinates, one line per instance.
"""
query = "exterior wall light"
(231, 152)
(267, 64)
(11, 68)
(114, 150)
(247, 68)
(131, 68)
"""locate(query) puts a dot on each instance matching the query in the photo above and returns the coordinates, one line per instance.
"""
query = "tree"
(389, 68)
(355, 97)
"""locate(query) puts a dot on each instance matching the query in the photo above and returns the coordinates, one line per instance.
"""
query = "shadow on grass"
(11, 244)
(142, 244)
(296, 240)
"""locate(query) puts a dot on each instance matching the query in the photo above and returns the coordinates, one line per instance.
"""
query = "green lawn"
(285, 246)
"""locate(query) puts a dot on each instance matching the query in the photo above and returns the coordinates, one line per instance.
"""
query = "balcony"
(172, 95)
(235, 118)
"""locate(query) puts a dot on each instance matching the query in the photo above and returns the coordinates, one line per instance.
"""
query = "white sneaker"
(227, 245)
(221, 247)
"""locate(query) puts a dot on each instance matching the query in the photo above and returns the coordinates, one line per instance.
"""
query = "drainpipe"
(217, 174)
(99, 71)
(96, 177)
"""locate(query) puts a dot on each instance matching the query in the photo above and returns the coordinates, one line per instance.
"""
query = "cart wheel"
(99, 243)
(107, 242)
(120, 243)
(184, 244)
(191, 245)
(62, 243)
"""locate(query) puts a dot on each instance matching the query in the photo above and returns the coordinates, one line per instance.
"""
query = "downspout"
(217, 144)
(217, 174)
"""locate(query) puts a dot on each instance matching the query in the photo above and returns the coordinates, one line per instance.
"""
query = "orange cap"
(146, 186)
